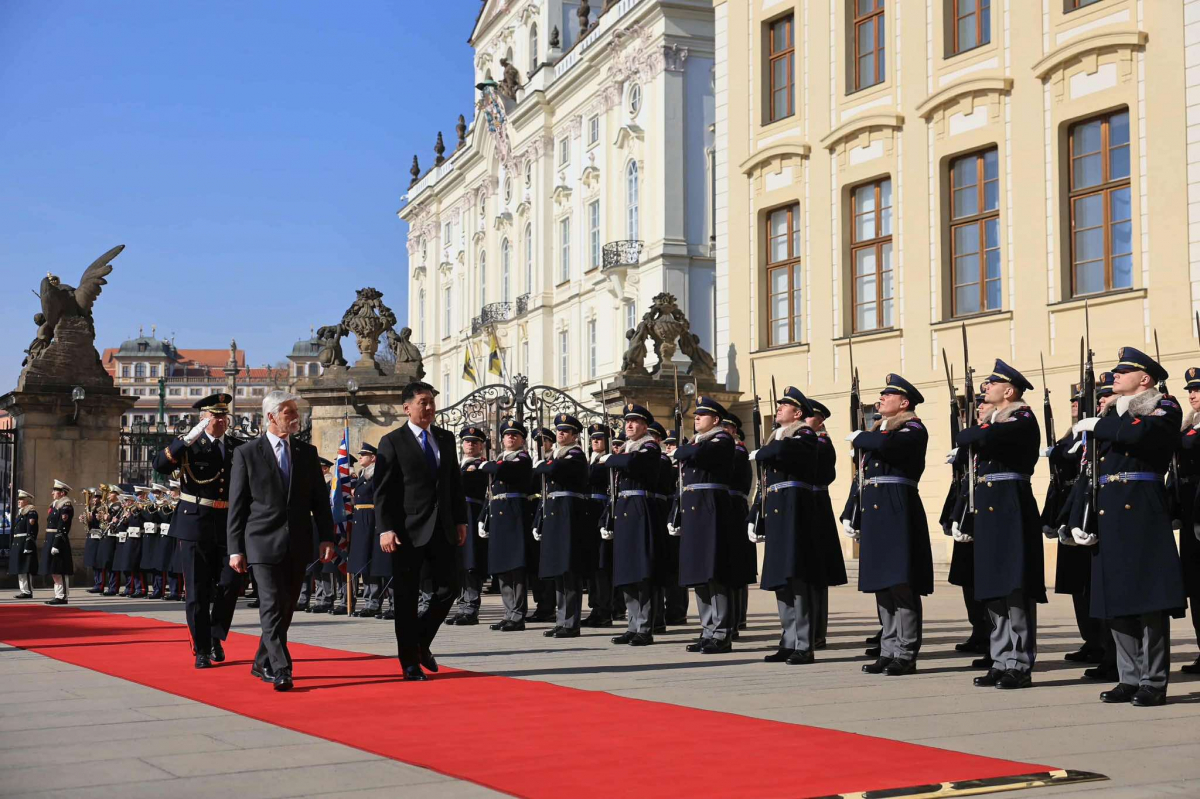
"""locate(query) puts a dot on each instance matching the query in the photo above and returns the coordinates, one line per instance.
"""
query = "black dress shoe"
(449, 622)
(337, 611)
(623, 638)
(878, 667)
(1014, 679)
(697, 645)
(202, 661)
(778, 656)
(428, 660)
(110, 593)
(1104, 672)
(266, 675)
(550, 633)
(641, 639)
(512, 626)
(1122, 693)
(900, 667)
(218, 652)
(1084, 655)
(90, 591)
(302, 606)
(802, 657)
(465, 621)
(714, 646)
(256, 672)
(283, 680)
(253, 603)
(1150, 697)
(318, 609)
(989, 680)
(597, 620)
(1191, 668)
(388, 615)
(874, 639)
(23, 596)
(873, 651)
(982, 663)
(414, 674)
(497, 625)
(566, 632)
(57, 601)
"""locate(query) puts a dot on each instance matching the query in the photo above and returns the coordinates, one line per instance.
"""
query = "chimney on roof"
(153, 331)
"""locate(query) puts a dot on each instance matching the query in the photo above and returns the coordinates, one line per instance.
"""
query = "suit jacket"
(269, 521)
(203, 473)
(409, 500)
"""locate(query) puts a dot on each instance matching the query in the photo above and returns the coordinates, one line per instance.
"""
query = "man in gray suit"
(276, 493)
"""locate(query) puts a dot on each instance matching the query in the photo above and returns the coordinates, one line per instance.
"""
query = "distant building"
(304, 357)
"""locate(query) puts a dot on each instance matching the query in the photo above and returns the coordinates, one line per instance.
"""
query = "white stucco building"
(566, 207)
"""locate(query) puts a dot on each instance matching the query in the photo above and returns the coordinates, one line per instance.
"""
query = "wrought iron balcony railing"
(622, 253)
(495, 312)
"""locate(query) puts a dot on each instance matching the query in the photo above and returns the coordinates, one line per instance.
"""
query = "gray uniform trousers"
(1143, 646)
(373, 593)
(514, 593)
(797, 614)
(568, 595)
(716, 611)
(639, 603)
(331, 589)
(900, 615)
(1013, 642)
(469, 596)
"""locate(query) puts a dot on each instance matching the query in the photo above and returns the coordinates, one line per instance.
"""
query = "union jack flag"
(341, 500)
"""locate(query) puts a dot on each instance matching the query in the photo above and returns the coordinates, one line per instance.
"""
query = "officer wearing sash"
(568, 548)
(204, 457)
(1189, 475)
(508, 524)
(896, 561)
(22, 551)
(1137, 579)
(472, 556)
(363, 535)
(600, 585)
(56, 557)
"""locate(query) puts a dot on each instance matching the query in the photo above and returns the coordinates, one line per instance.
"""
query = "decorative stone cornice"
(1086, 54)
(862, 132)
(774, 152)
(963, 97)
(628, 133)
(561, 195)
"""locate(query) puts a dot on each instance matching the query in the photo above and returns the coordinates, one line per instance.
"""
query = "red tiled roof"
(214, 359)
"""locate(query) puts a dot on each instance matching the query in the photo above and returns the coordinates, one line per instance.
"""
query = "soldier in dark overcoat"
(90, 519)
(56, 556)
(507, 528)
(956, 523)
(22, 549)
(362, 534)
(824, 528)
(568, 546)
(895, 562)
(1188, 468)
(1137, 578)
(744, 551)
(600, 584)
(107, 553)
(636, 523)
(169, 563)
(472, 556)
(670, 597)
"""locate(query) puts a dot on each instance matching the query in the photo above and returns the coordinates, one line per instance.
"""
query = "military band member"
(204, 457)
(152, 542)
(824, 528)
(472, 556)
(108, 545)
(135, 583)
(896, 561)
(1137, 579)
(22, 552)
(568, 546)
(745, 552)
(508, 524)
(636, 524)
(56, 556)
(1189, 472)
(600, 584)
(363, 535)
(90, 519)
(173, 587)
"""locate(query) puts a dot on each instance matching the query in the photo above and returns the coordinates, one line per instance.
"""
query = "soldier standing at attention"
(363, 534)
(600, 585)
(1189, 472)
(22, 552)
(507, 528)
(1137, 579)
(745, 552)
(56, 557)
(896, 562)
(472, 556)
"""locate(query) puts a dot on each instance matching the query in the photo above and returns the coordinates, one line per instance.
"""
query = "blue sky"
(250, 155)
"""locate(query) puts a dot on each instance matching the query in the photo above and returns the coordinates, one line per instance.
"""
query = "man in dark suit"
(276, 494)
(203, 458)
(421, 513)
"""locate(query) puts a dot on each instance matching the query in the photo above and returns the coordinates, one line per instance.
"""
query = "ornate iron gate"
(140, 444)
(487, 405)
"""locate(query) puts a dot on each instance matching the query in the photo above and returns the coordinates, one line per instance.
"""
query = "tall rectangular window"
(630, 316)
(782, 67)
(870, 63)
(446, 387)
(1100, 204)
(564, 150)
(975, 232)
(447, 307)
(871, 255)
(783, 275)
(593, 130)
(563, 357)
(591, 340)
(594, 233)
(564, 249)
(972, 23)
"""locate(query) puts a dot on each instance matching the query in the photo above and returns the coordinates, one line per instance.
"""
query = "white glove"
(750, 532)
(958, 535)
(1065, 538)
(1082, 538)
(196, 431)
(848, 530)
(53, 550)
(536, 535)
(1086, 425)
(951, 455)
(753, 454)
(1049, 532)
(1075, 447)
(1046, 452)
(1196, 426)
(673, 530)
(538, 462)
(483, 533)
(605, 534)
(853, 435)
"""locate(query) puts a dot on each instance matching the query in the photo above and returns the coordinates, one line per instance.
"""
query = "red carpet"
(518, 736)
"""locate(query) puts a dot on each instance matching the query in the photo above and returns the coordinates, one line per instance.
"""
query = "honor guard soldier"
(331, 582)
(706, 526)
(745, 552)
(507, 525)
(203, 457)
(472, 556)
(363, 535)
(600, 584)
(56, 557)
(959, 525)
(824, 527)
(896, 561)
(635, 523)
(1137, 579)
(568, 548)
(670, 597)
(22, 551)
(1188, 470)
(1007, 527)
(543, 590)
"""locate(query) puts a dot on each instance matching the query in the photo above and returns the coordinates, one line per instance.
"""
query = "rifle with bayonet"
(971, 421)
(758, 502)
(1056, 480)
(608, 517)
(1088, 409)
(959, 472)
(540, 512)
(675, 517)
(858, 422)
(1173, 469)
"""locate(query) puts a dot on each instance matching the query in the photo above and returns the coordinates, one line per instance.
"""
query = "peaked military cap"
(819, 408)
(1104, 384)
(216, 404)
(1076, 392)
(1193, 379)
(794, 396)
(141, 489)
(158, 488)
(672, 437)
(23, 494)
(174, 484)
(599, 430)
(544, 432)
(657, 429)
(732, 419)
(59, 485)
(711, 407)
(568, 423)
(325, 462)
(1130, 359)
(367, 449)
(513, 426)
(635, 411)
(895, 384)
(621, 438)
(1003, 373)
(126, 488)
(472, 433)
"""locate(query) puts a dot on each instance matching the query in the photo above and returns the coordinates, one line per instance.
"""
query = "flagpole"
(474, 360)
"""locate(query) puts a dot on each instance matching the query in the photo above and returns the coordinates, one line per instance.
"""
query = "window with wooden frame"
(975, 233)
(781, 67)
(1072, 5)
(869, 30)
(784, 279)
(871, 255)
(971, 24)
(1100, 201)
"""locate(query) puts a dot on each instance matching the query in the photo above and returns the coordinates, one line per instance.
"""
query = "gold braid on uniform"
(186, 467)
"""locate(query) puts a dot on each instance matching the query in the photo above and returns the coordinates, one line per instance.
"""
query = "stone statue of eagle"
(60, 301)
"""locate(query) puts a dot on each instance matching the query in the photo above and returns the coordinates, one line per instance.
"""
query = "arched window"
(533, 48)
(505, 262)
(631, 200)
(529, 259)
(482, 279)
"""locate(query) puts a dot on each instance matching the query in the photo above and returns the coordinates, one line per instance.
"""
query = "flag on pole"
(341, 500)
(494, 364)
(468, 367)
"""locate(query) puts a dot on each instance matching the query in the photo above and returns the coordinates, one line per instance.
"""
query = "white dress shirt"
(418, 431)
(275, 442)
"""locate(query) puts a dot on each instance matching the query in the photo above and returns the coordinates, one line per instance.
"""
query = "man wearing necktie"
(421, 513)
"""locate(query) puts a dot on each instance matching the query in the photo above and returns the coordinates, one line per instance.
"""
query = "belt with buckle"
(890, 481)
(1131, 477)
(1003, 477)
(771, 489)
(634, 492)
(218, 504)
(598, 497)
(560, 494)
(509, 495)
(706, 487)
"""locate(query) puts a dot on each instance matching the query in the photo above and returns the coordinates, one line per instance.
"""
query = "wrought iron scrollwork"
(622, 253)
(551, 401)
(484, 406)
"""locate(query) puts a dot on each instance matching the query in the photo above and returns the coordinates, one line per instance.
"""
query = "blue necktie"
(285, 465)
(430, 457)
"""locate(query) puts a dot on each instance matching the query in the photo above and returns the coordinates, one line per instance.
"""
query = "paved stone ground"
(69, 732)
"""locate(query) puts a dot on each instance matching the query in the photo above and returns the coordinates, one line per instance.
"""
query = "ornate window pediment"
(503, 220)
(863, 131)
(771, 157)
(1087, 53)
(562, 194)
(524, 206)
(629, 132)
(590, 176)
(964, 97)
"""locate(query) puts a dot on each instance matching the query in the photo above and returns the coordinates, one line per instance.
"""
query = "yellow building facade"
(890, 170)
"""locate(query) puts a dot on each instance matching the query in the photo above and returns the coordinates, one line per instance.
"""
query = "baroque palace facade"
(581, 188)
(892, 170)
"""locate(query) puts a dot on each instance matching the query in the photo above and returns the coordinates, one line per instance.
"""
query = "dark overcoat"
(636, 516)
(706, 550)
(58, 535)
(568, 538)
(22, 552)
(473, 555)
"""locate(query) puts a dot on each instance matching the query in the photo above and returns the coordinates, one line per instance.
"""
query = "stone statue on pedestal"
(408, 357)
(667, 326)
(368, 319)
(331, 346)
